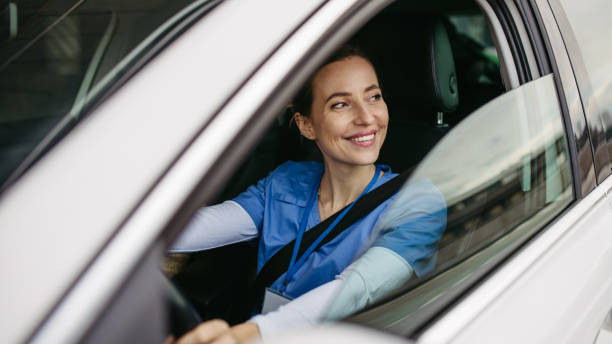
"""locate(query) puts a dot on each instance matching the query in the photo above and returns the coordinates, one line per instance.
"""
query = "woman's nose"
(364, 114)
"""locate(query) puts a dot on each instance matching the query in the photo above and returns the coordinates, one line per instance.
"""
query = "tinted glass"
(55, 55)
(503, 172)
(592, 62)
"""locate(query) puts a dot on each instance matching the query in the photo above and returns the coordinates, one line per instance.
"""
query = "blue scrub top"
(277, 203)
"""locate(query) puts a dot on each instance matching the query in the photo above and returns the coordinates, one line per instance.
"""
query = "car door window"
(504, 172)
(502, 169)
(415, 126)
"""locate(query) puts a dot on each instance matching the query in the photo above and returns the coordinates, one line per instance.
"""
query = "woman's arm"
(214, 226)
(374, 275)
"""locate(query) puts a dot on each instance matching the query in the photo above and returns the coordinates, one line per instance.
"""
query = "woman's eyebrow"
(372, 87)
(338, 94)
(346, 94)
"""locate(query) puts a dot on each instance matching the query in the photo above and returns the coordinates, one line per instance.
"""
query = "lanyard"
(293, 265)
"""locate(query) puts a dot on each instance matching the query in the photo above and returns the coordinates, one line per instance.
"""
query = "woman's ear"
(305, 125)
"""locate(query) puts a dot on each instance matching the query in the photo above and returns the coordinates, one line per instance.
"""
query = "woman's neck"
(341, 185)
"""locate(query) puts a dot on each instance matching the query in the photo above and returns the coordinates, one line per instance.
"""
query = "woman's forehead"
(350, 75)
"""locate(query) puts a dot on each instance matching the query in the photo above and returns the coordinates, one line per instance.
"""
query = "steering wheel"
(183, 317)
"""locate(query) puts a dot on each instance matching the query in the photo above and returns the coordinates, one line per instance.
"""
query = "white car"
(119, 119)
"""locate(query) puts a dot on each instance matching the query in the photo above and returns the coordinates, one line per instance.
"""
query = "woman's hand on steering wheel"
(218, 331)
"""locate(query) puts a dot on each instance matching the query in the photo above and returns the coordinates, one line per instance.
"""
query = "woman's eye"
(375, 97)
(338, 105)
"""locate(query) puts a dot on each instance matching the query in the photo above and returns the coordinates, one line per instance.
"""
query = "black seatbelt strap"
(279, 262)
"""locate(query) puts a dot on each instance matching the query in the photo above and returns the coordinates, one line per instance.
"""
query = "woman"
(342, 110)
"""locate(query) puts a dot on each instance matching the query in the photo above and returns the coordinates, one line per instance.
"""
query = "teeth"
(363, 138)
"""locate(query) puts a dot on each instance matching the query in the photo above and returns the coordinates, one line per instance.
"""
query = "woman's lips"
(363, 139)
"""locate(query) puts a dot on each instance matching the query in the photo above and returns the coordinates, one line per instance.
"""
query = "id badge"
(272, 300)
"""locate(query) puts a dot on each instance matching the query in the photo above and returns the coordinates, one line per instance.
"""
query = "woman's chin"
(365, 160)
(353, 157)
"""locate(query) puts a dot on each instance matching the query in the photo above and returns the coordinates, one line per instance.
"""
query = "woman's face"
(349, 117)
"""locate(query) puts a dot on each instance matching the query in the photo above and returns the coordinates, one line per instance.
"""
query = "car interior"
(435, 64)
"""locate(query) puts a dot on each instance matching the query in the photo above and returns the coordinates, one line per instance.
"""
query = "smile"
(363, 139)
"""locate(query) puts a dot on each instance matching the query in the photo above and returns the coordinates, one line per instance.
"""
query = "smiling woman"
(343, 111)
(348, 120)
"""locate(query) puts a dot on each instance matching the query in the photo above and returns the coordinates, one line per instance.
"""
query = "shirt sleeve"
(229, 222)
(215, 226)
(253, 200)
(413, 225)
(375, 275)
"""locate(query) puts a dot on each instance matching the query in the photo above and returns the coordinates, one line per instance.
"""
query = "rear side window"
(588, 43)
(53, 58)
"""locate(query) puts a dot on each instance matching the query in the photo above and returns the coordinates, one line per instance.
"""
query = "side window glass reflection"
(503, 173)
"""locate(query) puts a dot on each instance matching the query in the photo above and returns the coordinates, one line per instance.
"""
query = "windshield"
(56, 55)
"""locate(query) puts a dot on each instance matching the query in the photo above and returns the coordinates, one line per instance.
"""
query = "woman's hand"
(245, 332)
(218, 331)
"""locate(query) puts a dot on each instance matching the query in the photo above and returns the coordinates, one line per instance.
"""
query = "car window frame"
(581, 149)
(594, 120)
(452, 297)
(484, 271)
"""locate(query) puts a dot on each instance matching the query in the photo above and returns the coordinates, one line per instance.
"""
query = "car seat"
(414, 61)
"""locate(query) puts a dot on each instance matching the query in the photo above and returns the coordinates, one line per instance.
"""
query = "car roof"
(58, 217)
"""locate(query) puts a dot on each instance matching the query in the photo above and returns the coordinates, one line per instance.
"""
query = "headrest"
(414, 61)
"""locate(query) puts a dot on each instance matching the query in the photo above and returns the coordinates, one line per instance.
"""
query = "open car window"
(489, 169)
(418, 120)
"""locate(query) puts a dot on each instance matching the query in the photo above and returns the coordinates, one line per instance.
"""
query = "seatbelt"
(296, 263)
(279, 262)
